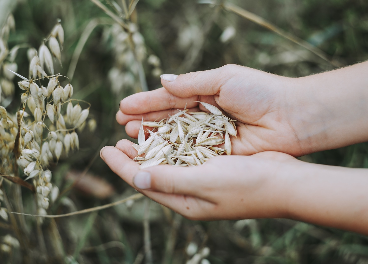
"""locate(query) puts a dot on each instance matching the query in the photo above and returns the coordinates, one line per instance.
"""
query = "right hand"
(259, 101)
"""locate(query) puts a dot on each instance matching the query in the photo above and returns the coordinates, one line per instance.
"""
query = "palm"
(250, 99)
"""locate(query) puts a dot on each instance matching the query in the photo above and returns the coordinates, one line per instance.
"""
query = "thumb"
(198, 83)
(168, 179)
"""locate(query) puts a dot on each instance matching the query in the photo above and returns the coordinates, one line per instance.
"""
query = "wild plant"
(43, 130)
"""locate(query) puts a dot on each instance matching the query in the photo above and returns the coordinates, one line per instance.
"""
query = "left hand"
(225, 187)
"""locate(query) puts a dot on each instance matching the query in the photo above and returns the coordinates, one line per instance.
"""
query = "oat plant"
(33, 139)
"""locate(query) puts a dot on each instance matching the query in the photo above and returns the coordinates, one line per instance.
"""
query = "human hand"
(257, 100)
(225, 187)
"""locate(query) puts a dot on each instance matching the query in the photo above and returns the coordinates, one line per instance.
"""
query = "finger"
(171, 179)
(154, 101)
(198, 83)
(132, 128)
(190, 207)
(126, 146)
(120, 163)
(123, 119)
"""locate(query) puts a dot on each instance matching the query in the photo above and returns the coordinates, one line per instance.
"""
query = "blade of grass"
(264, 23)
(86, 232)
(132, 6)
(110, 14)
(82, 41)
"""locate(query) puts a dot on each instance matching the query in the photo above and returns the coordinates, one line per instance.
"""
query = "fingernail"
(169, 77)
(142, 180)
(101, 154)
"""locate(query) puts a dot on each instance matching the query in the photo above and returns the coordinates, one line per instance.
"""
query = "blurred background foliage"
(185, 36)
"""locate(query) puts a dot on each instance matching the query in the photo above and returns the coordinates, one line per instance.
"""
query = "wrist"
(329, 110)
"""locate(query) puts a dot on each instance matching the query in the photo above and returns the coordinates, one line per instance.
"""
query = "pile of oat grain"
(185, 139)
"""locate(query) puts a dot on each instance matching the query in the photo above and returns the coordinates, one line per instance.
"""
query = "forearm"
(330, 196)
(331, 109)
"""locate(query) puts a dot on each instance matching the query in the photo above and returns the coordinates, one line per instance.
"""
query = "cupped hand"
(259, 101)
(225, 187)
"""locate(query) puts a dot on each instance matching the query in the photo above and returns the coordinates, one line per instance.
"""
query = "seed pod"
(54, 193)
(69, 110)
(40, 72)
(213, 109)
(67, 143)
(144, 146)
(24, 97)
(74, 140)
(22, 162)
(39, 128)
(150, 154)
(141, 136)
(33, 174)
(28, 137)
(65, 94)
(46, 58)
(44, 203)
(164, 129)
(68, 89)
(4, 216)
(60, 123)
(55, 48)
(34, 89)
(57, 94)
(37, 115)
(33, 67)
(45, 148)
(7, 87)
(7, 68)
(31, 104)
(76, 112)
(24, 85)
(30, 168)
(58, 32)
(51, 86)
(31, 52)
(58, 149)
(151, 162)
(82, 117)
(50, 112)
(92, 125)
(163, 152)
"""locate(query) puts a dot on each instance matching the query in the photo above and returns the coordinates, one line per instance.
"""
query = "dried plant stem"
(82, 41)
(170, 244)
(89, 210)
(125, 8)
(56, 240)
(17, 196)
(110, 14)
(146, 232)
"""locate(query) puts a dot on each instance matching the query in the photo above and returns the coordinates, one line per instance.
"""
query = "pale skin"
(278, 118)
